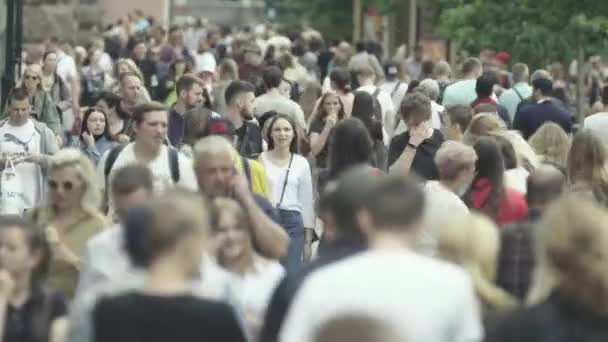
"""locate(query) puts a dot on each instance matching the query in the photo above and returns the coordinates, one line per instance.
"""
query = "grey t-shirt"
(598, 124)
(280, 104)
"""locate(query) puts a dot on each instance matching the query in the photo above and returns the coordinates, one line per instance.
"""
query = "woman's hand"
(88, 139)
(123, 139)
(331, 120)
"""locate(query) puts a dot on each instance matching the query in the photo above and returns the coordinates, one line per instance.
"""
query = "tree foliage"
(334, 18)
(534, 31)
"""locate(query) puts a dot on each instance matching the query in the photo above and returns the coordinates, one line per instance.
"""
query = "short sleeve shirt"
(317, 126)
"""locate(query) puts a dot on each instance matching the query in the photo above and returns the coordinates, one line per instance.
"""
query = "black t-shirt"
(423, 164)
(185, 318)
(44, 306)
(317, 126)
(249, 140)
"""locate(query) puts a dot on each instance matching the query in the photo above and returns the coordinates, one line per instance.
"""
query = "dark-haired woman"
(117, 120)
(95, 138)
(351, 145)
(363, 109)
(340, 83)
(165, 238)
(328, 113)
(488, 193)
(290, 180)
(29, 312)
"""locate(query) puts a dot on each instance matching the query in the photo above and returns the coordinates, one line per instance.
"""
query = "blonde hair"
(91, 198)
(526, 157)
(572, 252)
(132, 68)
(482, 124)
(212, 145)
(35, 69)
(587, 160)
(473, 242)
(551, 143)
(227, 206)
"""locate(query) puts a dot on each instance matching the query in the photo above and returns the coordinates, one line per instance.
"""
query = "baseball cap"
(220, 126)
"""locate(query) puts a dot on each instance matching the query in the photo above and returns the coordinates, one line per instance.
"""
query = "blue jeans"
(294, 226)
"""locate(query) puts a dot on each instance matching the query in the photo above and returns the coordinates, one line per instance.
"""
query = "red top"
(512, 205)
(481, 100)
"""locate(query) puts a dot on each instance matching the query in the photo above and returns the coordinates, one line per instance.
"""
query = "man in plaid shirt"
(516, 259)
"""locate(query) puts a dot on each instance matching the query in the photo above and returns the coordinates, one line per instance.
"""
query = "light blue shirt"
(509, 99)
(460, 93)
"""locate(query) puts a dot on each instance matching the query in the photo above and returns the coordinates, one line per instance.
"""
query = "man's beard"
(246, 115)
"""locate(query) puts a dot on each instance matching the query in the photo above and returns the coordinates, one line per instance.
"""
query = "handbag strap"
(285, 182)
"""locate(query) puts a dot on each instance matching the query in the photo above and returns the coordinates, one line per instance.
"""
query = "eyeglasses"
(67, 186)
(30, 77)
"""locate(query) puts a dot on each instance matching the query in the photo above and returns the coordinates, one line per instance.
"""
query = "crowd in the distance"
(205, 183)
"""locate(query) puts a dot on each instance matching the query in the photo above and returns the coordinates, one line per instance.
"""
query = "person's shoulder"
(106, 239)
(300, 160)
(401, 138)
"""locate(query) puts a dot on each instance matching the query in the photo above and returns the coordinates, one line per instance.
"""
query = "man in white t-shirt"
(168, 167)
(28, 144)
(423, 299)
(367, 80)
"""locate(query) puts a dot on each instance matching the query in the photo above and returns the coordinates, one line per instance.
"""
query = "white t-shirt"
(517, 179)
(397, 90)
(280, 104)
(66, 67)
(441, 206)
(423, 299)
(298, 191)
(20, 142)
(161, 171)
(598, 124)
(250, 293)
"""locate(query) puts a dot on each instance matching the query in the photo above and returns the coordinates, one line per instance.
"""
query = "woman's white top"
(298, 191)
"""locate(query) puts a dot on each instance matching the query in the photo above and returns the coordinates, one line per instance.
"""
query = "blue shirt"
(175, 131)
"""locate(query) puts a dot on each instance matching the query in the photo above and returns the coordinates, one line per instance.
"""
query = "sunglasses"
(30, 77)
(67, 186)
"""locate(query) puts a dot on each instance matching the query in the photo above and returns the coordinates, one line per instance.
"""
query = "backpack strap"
(174, 164)
(376, 92)
(112, 155)
(247, 170)
(396, 88)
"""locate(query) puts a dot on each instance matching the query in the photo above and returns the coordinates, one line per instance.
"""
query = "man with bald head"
(516, 258)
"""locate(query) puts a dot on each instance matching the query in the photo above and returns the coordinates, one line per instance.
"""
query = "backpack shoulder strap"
(112, 155)
(396, 88)
(174, 164)
(246, 169)
(376, 92)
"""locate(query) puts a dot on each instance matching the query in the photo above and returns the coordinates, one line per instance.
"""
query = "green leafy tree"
(334, 18)
(533, 31)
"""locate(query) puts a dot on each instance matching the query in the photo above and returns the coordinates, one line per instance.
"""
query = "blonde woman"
(551, 144)
(71, 215)
(570, 285)
(587, 165)
(43, 107)
(472, 241)
(482, 125)
(255, 277)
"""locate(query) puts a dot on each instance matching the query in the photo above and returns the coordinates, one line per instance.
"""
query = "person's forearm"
(269, 236)
(3, 308)
(404, 163)
(320, 142)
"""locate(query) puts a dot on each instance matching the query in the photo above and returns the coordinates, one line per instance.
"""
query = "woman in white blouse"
(290, 181)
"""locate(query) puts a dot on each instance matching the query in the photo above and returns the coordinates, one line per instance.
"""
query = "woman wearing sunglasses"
(43, 108)
(71, 215)
(29, 311)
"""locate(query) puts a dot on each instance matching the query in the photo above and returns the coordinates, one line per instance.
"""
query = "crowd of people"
(204, 183)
